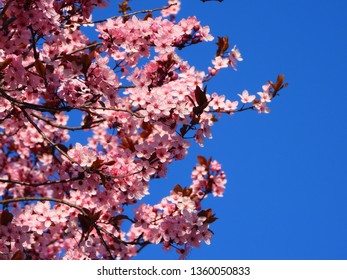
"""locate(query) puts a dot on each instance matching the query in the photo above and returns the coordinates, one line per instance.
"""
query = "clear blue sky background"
(286, 196)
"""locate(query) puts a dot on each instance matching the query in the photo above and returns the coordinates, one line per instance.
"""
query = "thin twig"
(115, 110)
(45, 137)
(34, 106)
(128, 15)
(82, 127)
(22, 199)
(232, 111)
(41, 183)
(4, 9)
(96, 44)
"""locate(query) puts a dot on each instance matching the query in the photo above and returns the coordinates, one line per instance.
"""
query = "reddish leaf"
(116, 220)
(202, 160)
(209, 162)
(196, 118)
(178, 189)
(86, 225)
(223, 45)
(50, 68)
(280, 79)
(201, 99)
(209, 187)
(200, 96)
(5, 217)
(109, 163)
(120, 217)
(149, 15)
(97, 163)
(102, 104)
(127, 143)
(73, 58)
(202, 213)
(88, 212)
(104, 181)
(5, 63)
(187, 192)
(88, 119)
(18, 255)
(191, 99)
(214, 119)
(210, 217)
(92, 215)
(147, 129)
(63, 147)
(40, 68)
(93, 47)
(184, 130)
(86, 60)
(279, 84)
(123, 7)
(96, 216)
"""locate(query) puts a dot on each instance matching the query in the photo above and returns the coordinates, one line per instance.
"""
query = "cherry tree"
(141, 107)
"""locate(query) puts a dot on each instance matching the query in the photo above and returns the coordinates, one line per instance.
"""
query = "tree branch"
(41, 183)
(82, 127)
(113, 109)
(127, 15)
(23, 199)
(96, 44)
(32, 106)
(45, 137)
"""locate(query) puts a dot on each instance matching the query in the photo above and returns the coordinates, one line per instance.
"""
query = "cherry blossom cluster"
(134, 39)
(208, 178)
(178, 220)
(139, 107)
(173, 8)
(223, 62)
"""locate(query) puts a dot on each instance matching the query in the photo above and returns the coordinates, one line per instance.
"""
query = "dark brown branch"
(82, 127)
(113, 109)
(128, 15)
(4, 9)
(70, 53)
(33, 106)
(23, 199)
(45, 137)
(109, 177)
(96, 44)
(211, 0)
(232, 111)
(41, 183)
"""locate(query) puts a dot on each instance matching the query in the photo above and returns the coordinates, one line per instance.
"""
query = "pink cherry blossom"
(262, 107)
(234, 57)
(205, 34)
(220, 62)
(82, 155)
(246, 98)
(264, 97)
(173, 9)
(217, 101)
(231, 106)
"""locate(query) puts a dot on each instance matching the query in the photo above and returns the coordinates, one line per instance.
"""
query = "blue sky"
(286, 196)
